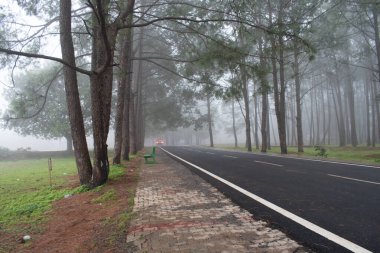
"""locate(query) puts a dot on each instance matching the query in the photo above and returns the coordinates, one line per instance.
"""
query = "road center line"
(307, 224)
(230, 156)
(274, 164)
(354, 179)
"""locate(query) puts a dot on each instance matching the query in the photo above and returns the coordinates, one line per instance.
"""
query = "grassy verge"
(118, 224)
(359, 154)
(25, 192)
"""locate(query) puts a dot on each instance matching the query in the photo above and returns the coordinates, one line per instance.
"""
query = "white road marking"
(315, 160)
(230, 156)
(307, 224)
(354, 179)
(274, 164)
(305, 159)
(210, 153)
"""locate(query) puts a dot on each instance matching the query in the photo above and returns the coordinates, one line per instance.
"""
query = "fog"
(259, 74)
(13, 141)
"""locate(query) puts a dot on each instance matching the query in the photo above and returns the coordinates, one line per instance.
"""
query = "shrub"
(321, 151)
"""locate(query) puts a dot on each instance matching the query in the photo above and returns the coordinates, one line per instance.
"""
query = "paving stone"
(177, 211)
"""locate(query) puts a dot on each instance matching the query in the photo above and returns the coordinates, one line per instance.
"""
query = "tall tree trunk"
(69, 143)
(127, 104)
(367, 95)
(329, 120)
(351, 105)
(268, 124)
(234, 124)
(127, 71)
(342, 128)
(279, 92)
(244, 87)
(294, 125)
(78, 133)
(375, 13)
(132, 121)
(125, 62)
(317, 117)
(246, 108)
(375, 101)
(374, 111)
(209, 120)
(282, 103)
(375, 7)
(298, 98)
(256, 119)
(140, 83)
(324, 131)
(311, 140)
(264, 101)
(100, 168)
(264, 121)
(103, 46)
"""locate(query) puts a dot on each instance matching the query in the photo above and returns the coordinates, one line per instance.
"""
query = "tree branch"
(40, 56)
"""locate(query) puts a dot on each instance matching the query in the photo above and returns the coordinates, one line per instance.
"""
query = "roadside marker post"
(50, 168)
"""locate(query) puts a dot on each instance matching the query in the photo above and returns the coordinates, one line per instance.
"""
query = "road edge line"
(307, 224)
(354, 179)
(297, 158)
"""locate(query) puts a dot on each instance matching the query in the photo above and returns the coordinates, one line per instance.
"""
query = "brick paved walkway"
(177, 211)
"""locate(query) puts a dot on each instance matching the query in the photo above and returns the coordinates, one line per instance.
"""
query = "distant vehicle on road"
(159, 142)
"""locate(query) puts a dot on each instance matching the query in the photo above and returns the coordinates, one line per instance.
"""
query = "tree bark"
(132, 122)
(264, 121)
(256, 119)
(233, 124)
(78, 133)
(367, 95)
(279, 94)
(127, 104)
(342, 128)
(103, 46)
(377, 35)
(69, 143)
(209, 120)
(122, 116)
(246, 108)
(125, 59)
(374, 110)
(311, 138)
(244, 88)
(351, 105)
(268, 124)
(140, 83)
(264, 100)
(317, 117)
(282, 109)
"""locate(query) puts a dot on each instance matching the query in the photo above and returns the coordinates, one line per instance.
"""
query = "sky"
(8, 138)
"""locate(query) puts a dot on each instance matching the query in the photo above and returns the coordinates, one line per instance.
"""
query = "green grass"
(25, 192)
(116, 171)
(105, 197)
(359, 154)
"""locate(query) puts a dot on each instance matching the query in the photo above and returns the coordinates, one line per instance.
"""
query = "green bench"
(151, 155)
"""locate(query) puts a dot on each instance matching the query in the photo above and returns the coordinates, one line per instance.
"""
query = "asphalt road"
(343, 199)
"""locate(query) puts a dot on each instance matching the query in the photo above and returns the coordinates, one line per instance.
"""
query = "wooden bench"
(151, 155)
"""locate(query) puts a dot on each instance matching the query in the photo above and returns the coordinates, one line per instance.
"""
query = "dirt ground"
(82, 223)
